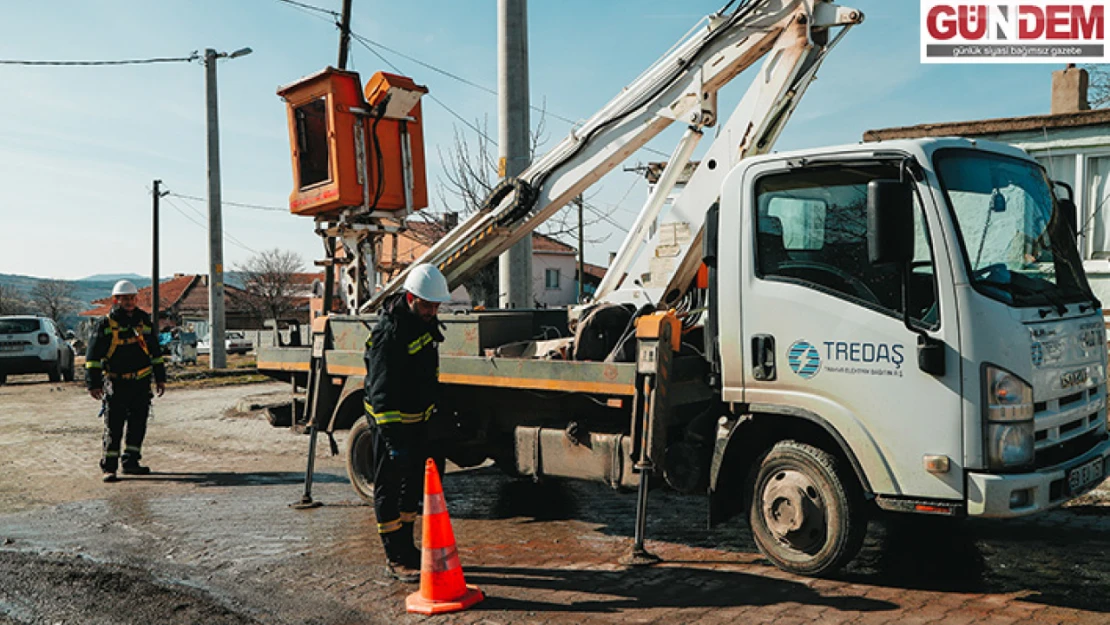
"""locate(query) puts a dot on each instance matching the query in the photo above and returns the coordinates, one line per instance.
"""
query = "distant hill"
(86, 289)
(116, 277)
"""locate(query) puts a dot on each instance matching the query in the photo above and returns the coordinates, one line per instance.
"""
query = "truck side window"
(811, 230)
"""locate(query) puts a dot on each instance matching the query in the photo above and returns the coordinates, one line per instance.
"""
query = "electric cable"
(184, 59)
(260, 207)
(312, 8)
(225, 234)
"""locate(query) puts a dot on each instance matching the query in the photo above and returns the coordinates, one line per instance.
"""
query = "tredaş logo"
(1005, 31)
(804, 359)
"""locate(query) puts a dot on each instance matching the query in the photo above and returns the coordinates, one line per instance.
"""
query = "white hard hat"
(427, 283)
(124, 287)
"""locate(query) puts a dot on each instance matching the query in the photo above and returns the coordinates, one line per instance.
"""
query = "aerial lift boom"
(681, 87)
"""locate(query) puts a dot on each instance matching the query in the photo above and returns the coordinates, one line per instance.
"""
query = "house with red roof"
(554, 263)
(183, 300)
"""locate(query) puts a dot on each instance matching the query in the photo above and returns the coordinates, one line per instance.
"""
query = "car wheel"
(55, 372)
(807, 515)
(360, 459)
(68, 373)
(3, 378)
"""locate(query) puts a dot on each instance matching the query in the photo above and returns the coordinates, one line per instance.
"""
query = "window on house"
(551, 278)
(1094, 219)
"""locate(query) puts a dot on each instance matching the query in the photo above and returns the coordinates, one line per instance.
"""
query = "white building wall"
(565, 264)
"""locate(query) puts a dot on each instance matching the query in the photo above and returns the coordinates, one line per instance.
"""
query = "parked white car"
(236, 343)
(34, 345)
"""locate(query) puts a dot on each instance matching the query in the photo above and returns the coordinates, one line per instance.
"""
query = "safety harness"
(114, 328)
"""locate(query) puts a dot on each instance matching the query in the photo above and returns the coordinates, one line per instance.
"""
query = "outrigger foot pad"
(638, 556)
(305, 503)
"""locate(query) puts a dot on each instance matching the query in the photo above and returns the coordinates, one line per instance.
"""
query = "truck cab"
(923, 304)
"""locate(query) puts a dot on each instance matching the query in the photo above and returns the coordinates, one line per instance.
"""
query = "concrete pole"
(217, 355)
(154, 270)
(515, 265)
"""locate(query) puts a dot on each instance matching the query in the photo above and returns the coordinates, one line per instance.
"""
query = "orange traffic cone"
(442, 587)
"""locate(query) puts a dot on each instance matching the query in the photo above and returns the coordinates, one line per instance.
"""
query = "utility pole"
(344, 34)
(306, 501)
(154, 301)
(581, 250)
(515, 265)
(329, 242)
(217, 355)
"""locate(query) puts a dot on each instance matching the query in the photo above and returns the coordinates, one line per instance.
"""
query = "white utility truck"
(805, 337)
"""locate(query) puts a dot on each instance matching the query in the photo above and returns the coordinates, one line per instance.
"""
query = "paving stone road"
(216, 536)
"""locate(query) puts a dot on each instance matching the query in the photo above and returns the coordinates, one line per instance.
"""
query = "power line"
(224, 233)
(260, 207)
(311, 8)
(203, 226)
(185, 59)
(362, 40)
(370, 44)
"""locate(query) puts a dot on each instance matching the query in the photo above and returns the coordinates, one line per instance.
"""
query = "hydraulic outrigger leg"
(657, 337)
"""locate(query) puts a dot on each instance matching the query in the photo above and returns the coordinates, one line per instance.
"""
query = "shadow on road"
(237, 479)
(1052, 559)
(1055, 560)
(667, 587)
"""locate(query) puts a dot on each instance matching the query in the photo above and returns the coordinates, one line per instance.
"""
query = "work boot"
(399, 557)
(409, 551)
(135, 469)
(109, 477)
(403, 573)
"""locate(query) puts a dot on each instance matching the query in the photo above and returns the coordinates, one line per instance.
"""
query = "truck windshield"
(1018, 246)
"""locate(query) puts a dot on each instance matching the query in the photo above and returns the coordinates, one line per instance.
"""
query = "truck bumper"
(1000, 495)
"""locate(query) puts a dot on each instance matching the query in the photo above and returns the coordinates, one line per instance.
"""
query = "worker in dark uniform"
(402, 380)
(122, 357)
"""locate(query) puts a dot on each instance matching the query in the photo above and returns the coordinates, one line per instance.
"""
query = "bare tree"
(470, 174)
(12, 302)
(55, 299)
(1098, 85)
(269, 284)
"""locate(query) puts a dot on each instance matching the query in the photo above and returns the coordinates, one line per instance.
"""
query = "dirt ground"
(197, 440)
(209, 537)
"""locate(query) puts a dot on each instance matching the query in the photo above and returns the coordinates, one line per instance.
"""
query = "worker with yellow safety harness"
(124, 349)
(402, 383)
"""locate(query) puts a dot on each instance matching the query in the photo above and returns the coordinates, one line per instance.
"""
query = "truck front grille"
(1069, 426)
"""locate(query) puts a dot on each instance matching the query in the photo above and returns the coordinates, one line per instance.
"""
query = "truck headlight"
(1009, 445)
(1008, 403)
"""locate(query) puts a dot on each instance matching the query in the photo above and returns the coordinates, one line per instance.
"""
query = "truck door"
(833, 322)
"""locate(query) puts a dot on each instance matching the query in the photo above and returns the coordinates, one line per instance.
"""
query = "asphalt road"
(210, 538)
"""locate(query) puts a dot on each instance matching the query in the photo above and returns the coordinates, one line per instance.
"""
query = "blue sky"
(79, 146)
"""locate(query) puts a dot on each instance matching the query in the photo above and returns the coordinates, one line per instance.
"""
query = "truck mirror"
(889, 222)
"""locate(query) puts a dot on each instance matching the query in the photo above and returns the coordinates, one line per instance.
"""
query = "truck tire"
(360, 460)
(806, 517)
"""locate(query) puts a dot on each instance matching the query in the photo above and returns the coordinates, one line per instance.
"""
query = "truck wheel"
(805, 516)
(55, 372)
(360, 460)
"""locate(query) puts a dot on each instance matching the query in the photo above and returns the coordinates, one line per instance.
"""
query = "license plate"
(1084, 475)
(11, 348)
